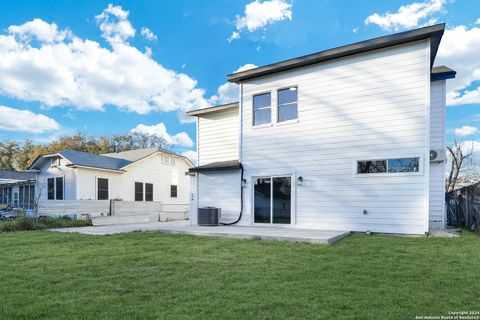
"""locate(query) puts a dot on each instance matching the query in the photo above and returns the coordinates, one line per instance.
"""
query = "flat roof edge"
(213, 109)
(435, 31)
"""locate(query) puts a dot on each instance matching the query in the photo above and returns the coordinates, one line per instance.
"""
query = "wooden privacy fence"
(463, 207)
(96, 208)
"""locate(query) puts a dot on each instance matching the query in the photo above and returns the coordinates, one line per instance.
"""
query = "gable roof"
(109, 161)
(434, 33)
(79, 158)
(15, 176)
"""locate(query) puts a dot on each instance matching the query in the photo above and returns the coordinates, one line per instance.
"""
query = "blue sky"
(189, 42)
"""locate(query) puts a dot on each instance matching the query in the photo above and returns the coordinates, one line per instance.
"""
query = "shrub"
(24, 223)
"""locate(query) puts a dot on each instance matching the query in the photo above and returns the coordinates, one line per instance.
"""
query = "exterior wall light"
(300, 181)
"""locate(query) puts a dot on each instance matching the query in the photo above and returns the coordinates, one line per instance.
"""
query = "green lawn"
(160, 276)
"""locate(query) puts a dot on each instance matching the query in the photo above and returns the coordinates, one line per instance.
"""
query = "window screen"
(148, 192)
(59, 188)
(287, 104)
(51, 188)
(138, 191)
(261, 109)
(173, 191)
(102, 189)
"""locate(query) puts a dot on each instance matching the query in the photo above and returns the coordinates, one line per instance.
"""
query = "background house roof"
(434, 33)
(86, 159)
(109, 161)
(7, 176)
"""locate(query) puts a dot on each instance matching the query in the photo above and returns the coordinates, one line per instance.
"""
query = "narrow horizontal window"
(372, 166)
(398, 165)
(262, 111)
(287, 104)
(404, 165)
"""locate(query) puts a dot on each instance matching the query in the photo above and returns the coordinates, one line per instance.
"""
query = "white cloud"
(39, 30)
(181, 139)
(355, 30)
(228, 92)
(191, 155)
(25, 121)
(61, 69)
(148, 34)
(459, 50)
(465, 131)
(114, 24)
(259, 14)
(408, 16)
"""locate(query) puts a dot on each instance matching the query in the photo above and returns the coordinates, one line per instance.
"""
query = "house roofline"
(434, 32)
(94, 168)
(442, 73)
(199, 112)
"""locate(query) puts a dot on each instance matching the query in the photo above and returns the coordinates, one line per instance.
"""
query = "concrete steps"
(125, 219)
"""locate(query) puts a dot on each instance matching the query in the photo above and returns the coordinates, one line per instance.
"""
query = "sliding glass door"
(273, 200)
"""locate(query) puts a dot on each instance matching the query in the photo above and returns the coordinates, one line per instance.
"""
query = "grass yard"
(160, 276)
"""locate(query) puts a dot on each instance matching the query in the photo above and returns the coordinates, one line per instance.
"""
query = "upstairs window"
(102, 189)
(398, 165)
(262, 112)
(287, 104)
(138, 191)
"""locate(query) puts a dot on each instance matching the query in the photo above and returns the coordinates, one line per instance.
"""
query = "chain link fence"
(463, 207)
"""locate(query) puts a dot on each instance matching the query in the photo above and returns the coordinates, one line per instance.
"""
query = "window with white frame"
(287, 104)
(262, 111)
(102, 189)
(397, 165)
(55, 188)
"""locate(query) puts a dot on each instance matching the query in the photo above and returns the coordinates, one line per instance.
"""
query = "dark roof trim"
(218, 166)
(434, 32)
(222, 107)
(442, 73)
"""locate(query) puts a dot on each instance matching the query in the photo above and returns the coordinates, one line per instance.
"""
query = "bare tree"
(458, 155)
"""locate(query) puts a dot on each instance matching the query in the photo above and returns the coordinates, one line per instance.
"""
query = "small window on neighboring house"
(172, 161)
(59, 188)
(287, 104)
(55, 161)
(138, 191)
(173, 191)
(262, 112)
(51, 188)
(102, 189)
(148, 192)
(372, 166)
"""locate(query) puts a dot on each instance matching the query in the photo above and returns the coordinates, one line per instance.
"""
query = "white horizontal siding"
(149, 170)
(437, 141)
(218, 136)
(221, 190)
(367, 106)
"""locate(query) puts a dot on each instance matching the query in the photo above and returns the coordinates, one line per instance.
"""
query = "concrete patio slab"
(182, 227)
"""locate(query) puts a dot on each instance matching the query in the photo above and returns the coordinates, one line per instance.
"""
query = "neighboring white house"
(139, 175)
(339, 139)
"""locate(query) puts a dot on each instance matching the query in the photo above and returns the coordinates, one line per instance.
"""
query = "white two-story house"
(350, 138)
